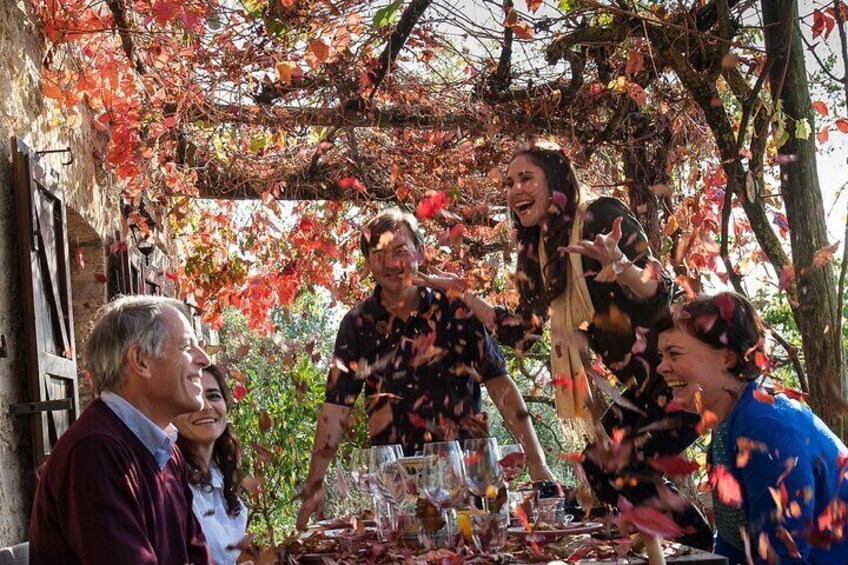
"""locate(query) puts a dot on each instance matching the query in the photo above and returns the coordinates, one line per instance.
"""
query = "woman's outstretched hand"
(604, 249)
(440, 280)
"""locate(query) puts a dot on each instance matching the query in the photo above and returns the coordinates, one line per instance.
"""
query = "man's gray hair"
(122, 323)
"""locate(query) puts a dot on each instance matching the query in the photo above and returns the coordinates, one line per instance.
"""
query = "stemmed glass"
(389, 478)
(512, 461)
(484, 476)
(443, 480)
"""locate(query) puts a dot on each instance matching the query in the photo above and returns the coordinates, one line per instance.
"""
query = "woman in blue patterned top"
(780, 488)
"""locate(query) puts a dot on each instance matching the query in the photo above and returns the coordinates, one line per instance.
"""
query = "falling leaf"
(675, 465)
(432, 205)
(842, 125)
(763, 396)
(725, 485)
(820, 107)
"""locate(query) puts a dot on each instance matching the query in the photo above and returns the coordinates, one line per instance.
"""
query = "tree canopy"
(342, 107)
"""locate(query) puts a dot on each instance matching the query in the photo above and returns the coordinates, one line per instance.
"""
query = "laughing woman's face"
(528, 193)
(690, 366)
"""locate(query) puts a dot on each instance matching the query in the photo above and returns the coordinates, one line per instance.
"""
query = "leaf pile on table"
(349, 549)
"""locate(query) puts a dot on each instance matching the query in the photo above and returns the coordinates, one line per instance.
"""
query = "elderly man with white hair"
(114, 487)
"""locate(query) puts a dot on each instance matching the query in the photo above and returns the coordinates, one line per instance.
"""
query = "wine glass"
(389, 479)
(443, 480)
(512, 461)
(483, 475)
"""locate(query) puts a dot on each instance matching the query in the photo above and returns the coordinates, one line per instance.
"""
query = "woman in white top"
(213, 458)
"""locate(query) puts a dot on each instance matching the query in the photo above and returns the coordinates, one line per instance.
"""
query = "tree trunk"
(644, 166)
(816, 308)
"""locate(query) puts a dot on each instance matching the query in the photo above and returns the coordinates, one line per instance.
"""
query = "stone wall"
(93, 214)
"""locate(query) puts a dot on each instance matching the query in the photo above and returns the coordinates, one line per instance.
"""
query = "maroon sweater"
(103, 499)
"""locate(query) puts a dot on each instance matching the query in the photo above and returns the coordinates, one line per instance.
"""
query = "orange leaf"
(820, 107)
(842, 125)
(763, 396)
(316, 53)
(823, 135)
(726, 487)
(52, 90)
(533, 5)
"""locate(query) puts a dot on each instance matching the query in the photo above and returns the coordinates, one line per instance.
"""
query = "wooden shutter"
(51, 364)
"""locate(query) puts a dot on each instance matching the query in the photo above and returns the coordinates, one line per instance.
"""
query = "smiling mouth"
(521, 207)
(677, 383)
(203, 421)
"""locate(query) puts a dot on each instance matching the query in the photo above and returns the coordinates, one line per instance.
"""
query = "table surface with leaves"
(319, 547)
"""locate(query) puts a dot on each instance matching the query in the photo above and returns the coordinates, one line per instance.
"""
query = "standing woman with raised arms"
(588, 267)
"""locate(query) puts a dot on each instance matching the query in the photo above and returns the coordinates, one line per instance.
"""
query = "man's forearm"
(332, 422)
(506, 396)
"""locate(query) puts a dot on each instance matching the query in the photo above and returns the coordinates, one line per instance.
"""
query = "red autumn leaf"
(316, 53)
(165, 10)
(763, 396)
(431, 205)
(117, 246)
(648, 521)
(790, 392)
(725, 485)
(170, 275)
(673, 465)
(786, 276)
(726, 306)
(823, 135)
(842, 125)
(417, 420)
(100, 277)
(820, 107)
(635, 62)
(533, 5)
(351, 182)
(825, 255)
(239, 391)
(822, 23)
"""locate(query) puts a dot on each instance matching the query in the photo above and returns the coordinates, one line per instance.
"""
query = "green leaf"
(386, 16)
(565, 6)
(802, 129)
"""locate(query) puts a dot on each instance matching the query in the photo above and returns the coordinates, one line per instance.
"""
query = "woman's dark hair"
(723, 321)
(226, 453)
(534, 295)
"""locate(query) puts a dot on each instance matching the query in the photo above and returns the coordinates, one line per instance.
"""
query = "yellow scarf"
(569, 312)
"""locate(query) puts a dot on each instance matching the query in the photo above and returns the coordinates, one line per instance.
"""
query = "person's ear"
(731, 360)
(138, 362)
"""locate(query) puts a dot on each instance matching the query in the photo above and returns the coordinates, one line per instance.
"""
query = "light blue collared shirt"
(156, 440)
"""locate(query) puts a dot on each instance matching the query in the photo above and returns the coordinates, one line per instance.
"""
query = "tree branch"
(123, 27)
(397, 40)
